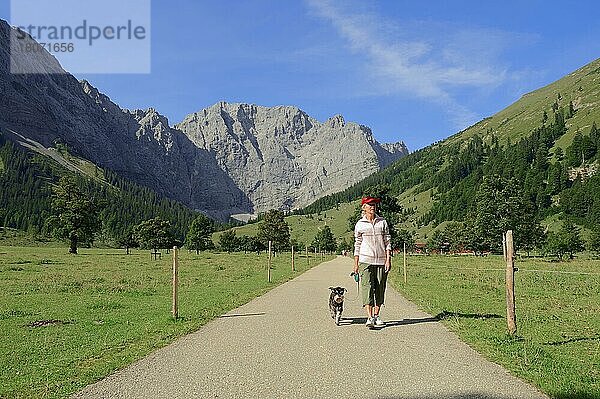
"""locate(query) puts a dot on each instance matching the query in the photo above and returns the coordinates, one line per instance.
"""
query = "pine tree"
(595, 137)
(573, 153)
(559, 153)
(501, 206)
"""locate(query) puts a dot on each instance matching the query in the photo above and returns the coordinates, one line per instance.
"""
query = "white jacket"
(372, 240)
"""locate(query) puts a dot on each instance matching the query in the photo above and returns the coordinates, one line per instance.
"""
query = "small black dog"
(336, 303)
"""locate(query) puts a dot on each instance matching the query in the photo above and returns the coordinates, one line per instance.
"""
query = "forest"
(27, 179)
(550, 179)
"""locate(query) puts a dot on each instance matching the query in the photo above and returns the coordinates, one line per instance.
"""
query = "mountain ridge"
(284, 146)
(191, 167)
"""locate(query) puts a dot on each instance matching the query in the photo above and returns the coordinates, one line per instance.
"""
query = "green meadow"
(557, 345)
(303, 228)
(69, 320)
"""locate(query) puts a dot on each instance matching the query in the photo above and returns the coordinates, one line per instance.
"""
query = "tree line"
(275, 229)
(27, 187)
(76, 218)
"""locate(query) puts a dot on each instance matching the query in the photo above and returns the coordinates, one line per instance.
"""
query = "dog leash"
(356, 277)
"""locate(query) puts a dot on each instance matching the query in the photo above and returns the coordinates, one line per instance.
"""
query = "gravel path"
(285, 345)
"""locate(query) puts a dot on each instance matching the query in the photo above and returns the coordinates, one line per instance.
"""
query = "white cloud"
(426, 60)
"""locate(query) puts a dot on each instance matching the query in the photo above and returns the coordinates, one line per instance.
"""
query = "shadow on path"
(243, 315)
(475, 395)
(347, 321)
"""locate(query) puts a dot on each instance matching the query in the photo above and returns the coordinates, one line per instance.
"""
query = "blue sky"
(412, 71)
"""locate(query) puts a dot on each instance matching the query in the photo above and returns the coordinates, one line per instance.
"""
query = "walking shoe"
(369, 322)
(378, 322)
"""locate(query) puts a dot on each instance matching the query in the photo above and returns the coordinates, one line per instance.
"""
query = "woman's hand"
(388, 265)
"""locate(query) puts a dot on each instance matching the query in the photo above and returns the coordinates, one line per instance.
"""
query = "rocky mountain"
(223, 160)
(281, 157)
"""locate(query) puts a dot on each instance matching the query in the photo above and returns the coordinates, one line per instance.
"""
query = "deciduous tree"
(128, 240)
(75, 214)
(438, 242)
(457, 235)
(229, 241)
(324, 240)
(567, 241)
(198, 237)
(594, 242)
(402, 237)
(154, 234)
(274, 228)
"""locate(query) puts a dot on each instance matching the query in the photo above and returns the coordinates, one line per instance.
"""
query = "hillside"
(26, 183)
(303, 228)
(537, 140)
(581, 88)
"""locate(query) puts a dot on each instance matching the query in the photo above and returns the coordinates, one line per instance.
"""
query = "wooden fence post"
(269, 264)
(174, 309)
(404, 263)
(293, 266)
(510, 284)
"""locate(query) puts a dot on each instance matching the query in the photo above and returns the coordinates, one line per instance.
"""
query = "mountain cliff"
(281, 157)
(223, 160)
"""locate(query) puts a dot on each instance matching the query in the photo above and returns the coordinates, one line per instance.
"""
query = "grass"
(421, 203)
(557, 346)
(80, 164)
(69, 320)
(519, 118)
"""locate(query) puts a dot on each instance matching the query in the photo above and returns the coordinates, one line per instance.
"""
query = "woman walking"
(372, 258)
